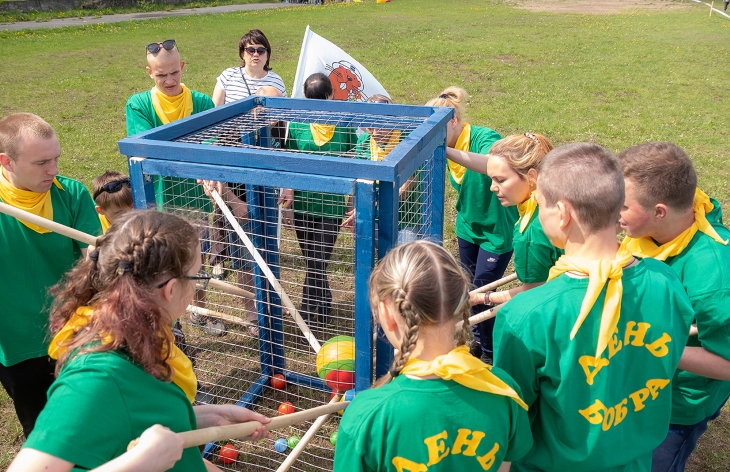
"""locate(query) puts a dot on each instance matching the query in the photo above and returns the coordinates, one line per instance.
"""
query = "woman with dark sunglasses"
(243, 81)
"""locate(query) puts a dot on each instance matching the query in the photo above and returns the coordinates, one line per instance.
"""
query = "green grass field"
(615, 79)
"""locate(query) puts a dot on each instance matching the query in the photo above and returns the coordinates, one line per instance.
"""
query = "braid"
(413, 323)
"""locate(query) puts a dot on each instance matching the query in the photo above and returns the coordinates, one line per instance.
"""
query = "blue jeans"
(486, 267)
(681, 440)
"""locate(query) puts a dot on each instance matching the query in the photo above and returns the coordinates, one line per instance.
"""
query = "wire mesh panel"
(288, 324)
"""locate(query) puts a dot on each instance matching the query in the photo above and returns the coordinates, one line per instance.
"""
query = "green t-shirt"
(32, 263)
(169, 191)
(609, 417)
(534, 253)
(323, 205)
(102, 401)
(409, 423)
(481, 219)
(410, 206)
(704, 268)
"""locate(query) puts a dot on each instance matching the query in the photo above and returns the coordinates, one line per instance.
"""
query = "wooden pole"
(222, 316)
(91, 240)
(495, 284)
(285, 300)
(311, 432)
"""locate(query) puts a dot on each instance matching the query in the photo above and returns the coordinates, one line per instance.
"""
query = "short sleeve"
(138, 120)
(348, 455)
(712, 312)
(512, 354)
(86, 219)
(520, 435)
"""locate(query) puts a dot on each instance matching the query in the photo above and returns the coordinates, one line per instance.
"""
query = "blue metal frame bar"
(364, 261)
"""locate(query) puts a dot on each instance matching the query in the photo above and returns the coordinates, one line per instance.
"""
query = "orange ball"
(228, 454)
(278, 381)
(286, 408)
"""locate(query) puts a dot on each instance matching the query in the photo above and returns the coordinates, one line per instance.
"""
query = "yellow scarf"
(171, 109)
(378, 153)
(462, 144)
(182, 369)
(465, 369)
(646, 247)
(37, 203)
(322, 134)
(526, 209)
(599, 272)
(105, 223)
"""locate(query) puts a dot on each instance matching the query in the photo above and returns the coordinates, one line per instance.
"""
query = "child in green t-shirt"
(512, 165)
(117, 364)
(594, 348)
(666, 217)
(439, 408)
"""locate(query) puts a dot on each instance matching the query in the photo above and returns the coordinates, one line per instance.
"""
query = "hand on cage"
(286, 200)
(222, 415)
(349, 221)
(238, 206)
(210, 185)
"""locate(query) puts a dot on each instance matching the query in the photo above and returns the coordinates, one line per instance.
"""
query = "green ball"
(333, 438)
(292, 442)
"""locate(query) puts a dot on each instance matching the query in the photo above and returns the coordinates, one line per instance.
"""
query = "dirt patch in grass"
(597, 6)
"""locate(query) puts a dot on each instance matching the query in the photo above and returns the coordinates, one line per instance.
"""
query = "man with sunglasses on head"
(34, 259)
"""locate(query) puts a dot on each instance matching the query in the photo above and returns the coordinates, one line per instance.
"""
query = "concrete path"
(90, 20)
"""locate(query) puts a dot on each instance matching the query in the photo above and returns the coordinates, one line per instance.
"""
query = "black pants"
(317, 238)
(27, 384)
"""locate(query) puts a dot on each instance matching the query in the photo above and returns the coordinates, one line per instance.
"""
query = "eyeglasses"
(113, 187)
(154, 48)
(201, 280)
(252, 50)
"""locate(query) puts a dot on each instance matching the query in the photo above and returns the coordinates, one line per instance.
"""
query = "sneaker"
(196, 318)
(214, 327)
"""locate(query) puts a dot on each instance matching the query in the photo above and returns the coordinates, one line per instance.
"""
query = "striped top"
(233, 84)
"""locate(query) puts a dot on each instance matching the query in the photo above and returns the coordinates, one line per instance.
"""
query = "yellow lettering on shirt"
(469, 439)
(637, 334)
(402, 465)
(588, 362)
(614, 344)
(437, 449)
(487, 460)
(594, 413)
(607, 417)
(659, 347)
(654, 385)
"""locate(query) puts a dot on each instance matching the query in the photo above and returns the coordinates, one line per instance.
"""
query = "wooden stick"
(311, 432)
(91, 240)
(47, 224)
(285, 300)
(693, 330)
(479, 317)
(223, 316)
(495, 284)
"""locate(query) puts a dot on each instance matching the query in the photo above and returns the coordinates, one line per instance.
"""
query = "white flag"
(350, 80)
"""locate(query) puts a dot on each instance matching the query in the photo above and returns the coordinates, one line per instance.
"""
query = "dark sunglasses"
(252, 50)
(154, 48)
(201, 280)
(113, 187)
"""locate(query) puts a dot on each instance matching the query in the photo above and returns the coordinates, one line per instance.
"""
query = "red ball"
(341, 380)
(278, 381)
(286, 408)
(228, 454)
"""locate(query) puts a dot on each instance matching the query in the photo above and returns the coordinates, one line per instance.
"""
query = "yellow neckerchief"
(322, 134)
(463, 368)
(182, 369)
(646, 247)
(599, 272)
(105, 223)
(171, 109)
(37, 203)
(378, 153)
(526, 209)
(462, 144)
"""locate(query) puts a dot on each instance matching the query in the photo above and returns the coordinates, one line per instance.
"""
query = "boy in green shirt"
(666, 217)
(595, 347)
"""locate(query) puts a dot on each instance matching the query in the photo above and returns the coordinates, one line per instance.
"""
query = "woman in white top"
(240, 82)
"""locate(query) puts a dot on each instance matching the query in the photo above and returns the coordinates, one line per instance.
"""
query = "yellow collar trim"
(462, 144)
(322, 134)
(39, 204)
(526, 209)
(378, 153)
(171, 109)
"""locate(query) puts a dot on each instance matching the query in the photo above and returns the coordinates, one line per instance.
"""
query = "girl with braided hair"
(118, 371)
(439, 408)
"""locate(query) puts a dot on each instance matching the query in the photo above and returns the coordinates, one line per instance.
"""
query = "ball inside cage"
(294, 229)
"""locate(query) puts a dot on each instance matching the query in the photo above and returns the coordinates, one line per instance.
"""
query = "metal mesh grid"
(220, 339)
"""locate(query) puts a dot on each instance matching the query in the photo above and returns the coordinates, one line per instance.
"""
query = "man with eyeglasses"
(34, 259)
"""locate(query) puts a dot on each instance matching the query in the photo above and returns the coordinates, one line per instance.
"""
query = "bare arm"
(498, 298)
(504, 467)
(700, 361)
(219, 95)
(470, 160)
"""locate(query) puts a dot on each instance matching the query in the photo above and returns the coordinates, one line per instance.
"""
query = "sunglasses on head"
(154, 48)
(252, 50)
(113, 187)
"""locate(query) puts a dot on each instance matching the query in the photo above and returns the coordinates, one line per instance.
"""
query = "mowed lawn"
(615, 79)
